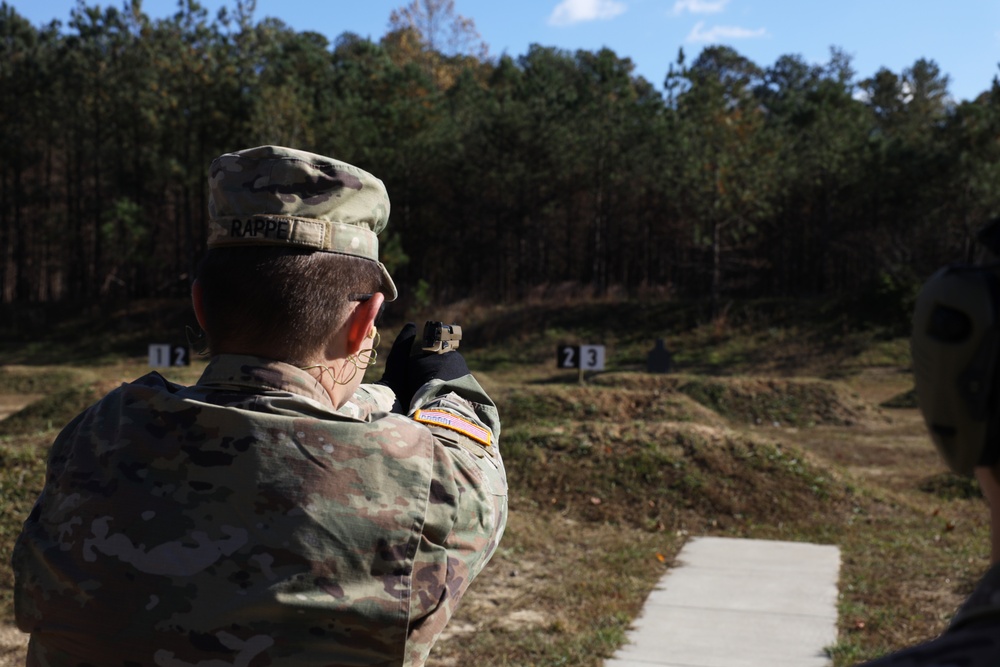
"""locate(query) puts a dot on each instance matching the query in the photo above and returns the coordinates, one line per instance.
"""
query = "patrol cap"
(271, 195)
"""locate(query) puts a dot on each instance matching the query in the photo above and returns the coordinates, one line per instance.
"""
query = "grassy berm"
(771, 427)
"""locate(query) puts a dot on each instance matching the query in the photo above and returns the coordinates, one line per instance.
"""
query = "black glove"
(426, 366)
(407, 368)
(394, 375)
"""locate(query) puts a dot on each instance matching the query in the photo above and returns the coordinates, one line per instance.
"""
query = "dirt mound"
(657, 451)
(783, 402)
(50, 412)
(658, 474)
(907, 399)
(548, 403)
(750, 400)
(31, 380)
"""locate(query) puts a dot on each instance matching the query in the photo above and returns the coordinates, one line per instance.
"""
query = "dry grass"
(612, 496)
(608, 480)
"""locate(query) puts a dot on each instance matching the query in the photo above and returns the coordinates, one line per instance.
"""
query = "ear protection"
(955, 346)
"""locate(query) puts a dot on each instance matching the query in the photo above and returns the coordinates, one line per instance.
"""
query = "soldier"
(278, 512)
(973, 636)
(955, 350)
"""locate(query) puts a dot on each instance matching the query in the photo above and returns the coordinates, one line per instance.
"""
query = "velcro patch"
(455, 423)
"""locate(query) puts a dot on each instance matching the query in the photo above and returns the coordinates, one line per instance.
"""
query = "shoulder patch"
(455, 423)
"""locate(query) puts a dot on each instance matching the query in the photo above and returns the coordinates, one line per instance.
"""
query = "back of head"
(292, 241)
(279, 303)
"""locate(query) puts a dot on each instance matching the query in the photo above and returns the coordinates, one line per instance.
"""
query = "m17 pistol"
(440, 337)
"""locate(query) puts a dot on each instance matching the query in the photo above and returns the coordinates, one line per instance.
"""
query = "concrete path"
(739, 603)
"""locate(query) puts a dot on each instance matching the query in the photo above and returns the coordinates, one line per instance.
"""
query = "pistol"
(440, 337)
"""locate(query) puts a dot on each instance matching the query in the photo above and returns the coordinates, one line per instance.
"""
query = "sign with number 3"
(584, 357)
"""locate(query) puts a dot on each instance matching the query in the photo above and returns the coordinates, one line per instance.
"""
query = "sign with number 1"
(164, 355)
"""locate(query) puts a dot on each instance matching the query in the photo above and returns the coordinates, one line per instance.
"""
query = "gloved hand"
(394, 375)
(426, 366)
(407, 367)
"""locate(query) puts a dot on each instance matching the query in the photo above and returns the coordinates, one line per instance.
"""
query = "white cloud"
(578, 11)
(699, 6)
(722, 33)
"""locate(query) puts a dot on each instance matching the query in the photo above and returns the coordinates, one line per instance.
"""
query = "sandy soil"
(12, 645)
(11, 403)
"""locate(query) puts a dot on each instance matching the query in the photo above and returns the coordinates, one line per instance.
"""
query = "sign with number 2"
(584, 357)
(164, 355)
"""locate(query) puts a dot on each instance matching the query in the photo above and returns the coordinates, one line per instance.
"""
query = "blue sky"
(961, 36)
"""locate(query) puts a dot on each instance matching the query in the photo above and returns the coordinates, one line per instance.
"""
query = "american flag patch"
(454, 423)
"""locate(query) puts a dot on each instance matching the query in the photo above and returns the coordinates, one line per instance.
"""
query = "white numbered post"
(165, 355)
(159, 355)
(581, 357)
(592, 357)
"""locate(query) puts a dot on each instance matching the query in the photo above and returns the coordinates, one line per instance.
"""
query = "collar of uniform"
(257, 374)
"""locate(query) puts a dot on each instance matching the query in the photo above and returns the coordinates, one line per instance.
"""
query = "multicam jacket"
(244, 521)
(972, 639)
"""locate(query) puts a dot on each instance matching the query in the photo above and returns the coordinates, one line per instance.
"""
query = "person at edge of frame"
(279, 511)
(950, 328)
(973, 636)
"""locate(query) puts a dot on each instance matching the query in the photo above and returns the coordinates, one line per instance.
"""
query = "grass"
(22, 468)
(771, 428)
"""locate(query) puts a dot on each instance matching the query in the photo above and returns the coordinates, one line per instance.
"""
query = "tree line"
(507, 175)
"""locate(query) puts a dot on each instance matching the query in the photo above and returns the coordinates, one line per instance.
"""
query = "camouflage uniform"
(247, 520)
(972, 639)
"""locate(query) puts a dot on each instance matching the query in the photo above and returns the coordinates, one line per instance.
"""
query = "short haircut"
(279, 302)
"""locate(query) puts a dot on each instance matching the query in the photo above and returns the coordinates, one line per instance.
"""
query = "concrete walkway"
(739, 603)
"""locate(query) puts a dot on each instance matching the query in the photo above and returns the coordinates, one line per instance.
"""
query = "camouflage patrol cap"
(273, 195)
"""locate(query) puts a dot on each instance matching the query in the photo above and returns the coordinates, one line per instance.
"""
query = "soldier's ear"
(361, 321)
(197, 301)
